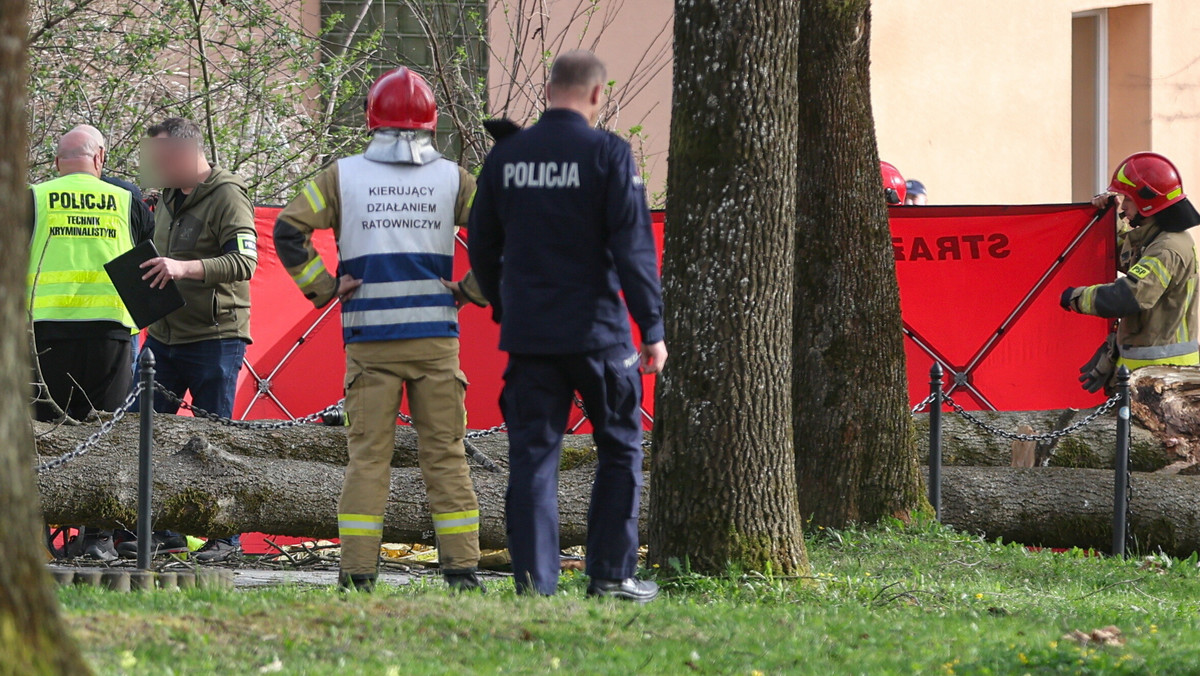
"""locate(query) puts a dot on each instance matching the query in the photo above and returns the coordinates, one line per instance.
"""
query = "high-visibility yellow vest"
(80, 223)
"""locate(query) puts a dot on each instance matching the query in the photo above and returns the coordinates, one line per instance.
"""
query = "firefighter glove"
(1095, 374)
(1070, 298)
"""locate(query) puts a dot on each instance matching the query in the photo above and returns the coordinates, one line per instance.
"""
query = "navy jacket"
(559, 229)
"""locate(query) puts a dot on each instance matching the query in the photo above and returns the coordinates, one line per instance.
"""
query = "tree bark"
(33, 639)
(221, 481)
(856, 459)
(206, 484)
(724, 478)
(1166, 401)
(1092, 447)
(1059, 507)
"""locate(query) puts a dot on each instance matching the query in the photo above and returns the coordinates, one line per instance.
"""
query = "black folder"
(145, 305)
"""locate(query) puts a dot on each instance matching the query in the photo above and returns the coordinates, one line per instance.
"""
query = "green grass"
(889, 600)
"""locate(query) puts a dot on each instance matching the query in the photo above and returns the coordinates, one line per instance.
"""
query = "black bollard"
(145, 470)
(1121, 466)
(935, 440)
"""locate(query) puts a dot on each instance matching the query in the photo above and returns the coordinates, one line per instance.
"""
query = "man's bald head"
(78, 152)
(577, 81)
(93, 132)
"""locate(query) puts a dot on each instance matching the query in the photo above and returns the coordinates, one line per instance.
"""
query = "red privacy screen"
(296, 364)
(979, 291)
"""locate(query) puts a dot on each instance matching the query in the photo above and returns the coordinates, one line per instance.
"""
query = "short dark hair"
(577, 69)
(177, 127)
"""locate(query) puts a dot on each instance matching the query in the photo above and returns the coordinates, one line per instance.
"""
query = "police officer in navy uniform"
(559, 229)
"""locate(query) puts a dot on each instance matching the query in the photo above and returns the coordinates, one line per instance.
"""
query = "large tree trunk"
(206, 482)
(724, 474)
(855, 456)
(33, 639)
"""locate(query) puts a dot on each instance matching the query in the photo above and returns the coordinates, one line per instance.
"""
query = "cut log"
(315, 443)
(1024, 452)
(206, 485)
(1062, 507)
(1092, 447)
(213, 480)
(1166, 401)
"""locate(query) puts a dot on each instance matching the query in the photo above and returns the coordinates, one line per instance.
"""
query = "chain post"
(1121, 467)
(145, 467)
(935, 439)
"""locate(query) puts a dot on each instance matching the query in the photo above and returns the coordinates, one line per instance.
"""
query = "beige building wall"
(633, 37)
(985, 101)
(974, 97)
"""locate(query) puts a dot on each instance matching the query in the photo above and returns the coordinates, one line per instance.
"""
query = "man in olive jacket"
(204, 232)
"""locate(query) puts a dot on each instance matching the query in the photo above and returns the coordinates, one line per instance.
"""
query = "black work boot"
(629, 589)
(360, 582)
(94, 544)
(164, 544)
(463, 580)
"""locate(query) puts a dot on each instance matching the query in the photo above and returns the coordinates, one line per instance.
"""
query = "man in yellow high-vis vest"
(81, 328)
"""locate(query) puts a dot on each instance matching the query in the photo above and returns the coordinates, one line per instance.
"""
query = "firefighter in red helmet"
(394, 210)
(894, 188)
(1154, 300)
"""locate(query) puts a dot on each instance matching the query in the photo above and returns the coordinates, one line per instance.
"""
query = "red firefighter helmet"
(893, 183)
(401, 99)
(1150, 180)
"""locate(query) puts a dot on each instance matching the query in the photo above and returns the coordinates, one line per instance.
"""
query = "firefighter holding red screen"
(394, 210)
(1155, 300)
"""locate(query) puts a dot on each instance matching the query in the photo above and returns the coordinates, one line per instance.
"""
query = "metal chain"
(94, 438)
(247, 424)
(477, 434)
(1049, 436)
(923, 405)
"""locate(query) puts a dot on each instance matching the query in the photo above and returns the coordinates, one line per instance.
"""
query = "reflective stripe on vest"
(1177, 354)
(80, 223)
(397, 236)
(1152, 352)
(1192, 359)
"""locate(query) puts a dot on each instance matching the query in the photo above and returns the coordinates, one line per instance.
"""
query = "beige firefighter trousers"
(378, 374)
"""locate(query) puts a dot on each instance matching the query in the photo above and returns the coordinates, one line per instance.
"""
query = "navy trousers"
(208, 369)
(536, 402)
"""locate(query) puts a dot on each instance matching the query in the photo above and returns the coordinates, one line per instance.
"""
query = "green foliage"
(279, 99)
(894, 599)
(244, 69)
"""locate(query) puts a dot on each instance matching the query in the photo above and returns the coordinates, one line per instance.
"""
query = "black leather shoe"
(629, 589)
(360, 582)
(466, 580)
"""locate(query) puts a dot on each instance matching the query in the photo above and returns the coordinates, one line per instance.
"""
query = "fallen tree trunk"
(1091, 447)
(1165, 406)
(206, 486)
(315, 443)
(1166, 401)
(1061, 507)
(962, 443)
